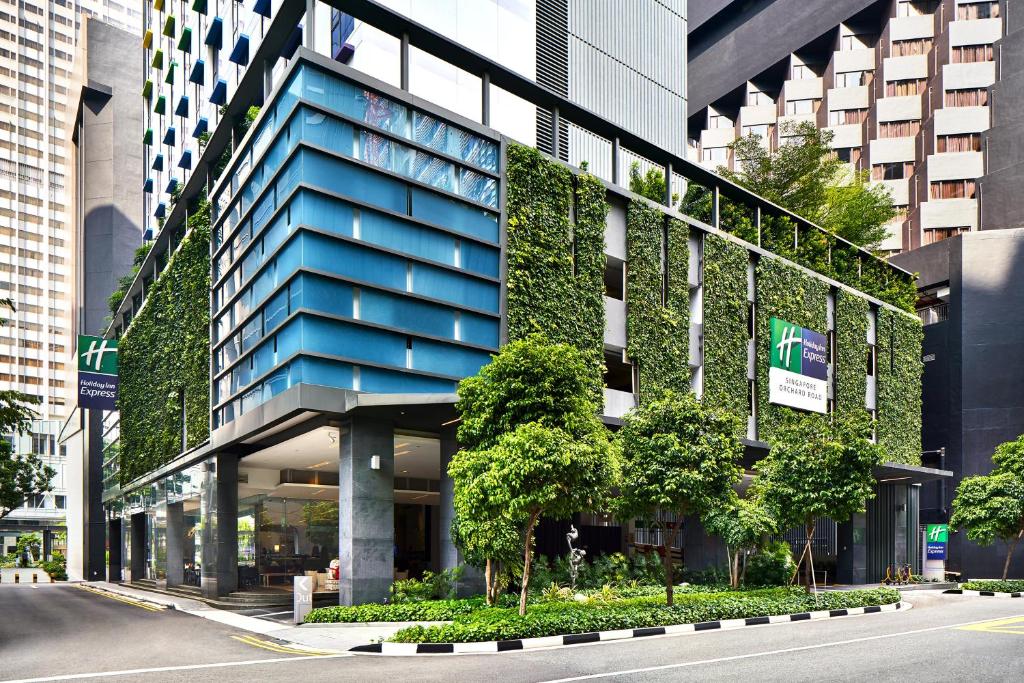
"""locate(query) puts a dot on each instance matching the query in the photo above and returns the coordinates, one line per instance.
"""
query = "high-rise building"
(905, 86)
(38, 40)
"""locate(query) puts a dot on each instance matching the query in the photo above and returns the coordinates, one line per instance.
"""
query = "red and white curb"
(405, 649)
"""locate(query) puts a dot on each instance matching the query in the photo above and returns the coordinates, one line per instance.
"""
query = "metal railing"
(934, 314)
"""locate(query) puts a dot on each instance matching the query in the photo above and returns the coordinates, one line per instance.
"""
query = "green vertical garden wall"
(898, 346)
(725, 325)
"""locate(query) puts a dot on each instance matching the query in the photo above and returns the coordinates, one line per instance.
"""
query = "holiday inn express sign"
(798, 375)
(97, 373)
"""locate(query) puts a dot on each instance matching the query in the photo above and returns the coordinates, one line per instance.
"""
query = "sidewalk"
(339, 637)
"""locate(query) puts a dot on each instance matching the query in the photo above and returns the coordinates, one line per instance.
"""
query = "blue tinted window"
(454, 214)
(405, 313)
(345, 339)
(344, 178)
(480, 259)
(321, 211)
(324, 253)
(411, 239)
(390, 381)
(327, 296)
(459, 289)
(447, 359)
(479, 329)
(276, 311)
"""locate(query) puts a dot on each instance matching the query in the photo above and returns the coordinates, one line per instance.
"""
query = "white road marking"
(766, 653)
(273, 614)
(185, 667)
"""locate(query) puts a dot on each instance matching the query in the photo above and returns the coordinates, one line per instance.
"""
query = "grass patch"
(995, 585)
(565, 617)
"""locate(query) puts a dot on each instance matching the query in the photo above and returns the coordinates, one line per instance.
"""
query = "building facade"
(343, 250)
(906, 87)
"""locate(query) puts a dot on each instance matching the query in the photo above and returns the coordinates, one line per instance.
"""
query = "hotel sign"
(97, 373)
(798, 374)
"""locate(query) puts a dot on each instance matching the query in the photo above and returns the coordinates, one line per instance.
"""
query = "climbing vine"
(898, 346)
(164, 359)
(850, 363)
(725, 325)
(657, 307)
(787, 293)
(555, 263)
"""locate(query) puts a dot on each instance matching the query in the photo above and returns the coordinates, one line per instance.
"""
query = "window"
(851, 79)
(966, 54)
(892, 171)
(762, 130)
(847, 116)
(977, 10)
(898, 129)
(902, 88)
(916, 46)
(850, 155)
(967, 97)
(801, 72)
(718, 155)
(718, 121)
(907, 8)
(756, 98)
(801, 107)
(952, 189)
(872, 361)
(964, 142)
(933, 235)
(858, 42)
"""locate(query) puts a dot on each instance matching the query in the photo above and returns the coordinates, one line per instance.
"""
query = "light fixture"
(333, 436)
(319, 464)
(880, 481)
(374, 462)
(277, 548)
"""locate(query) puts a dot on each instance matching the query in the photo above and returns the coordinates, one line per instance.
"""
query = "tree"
(679, 459)
(650, 184)
(816, 468)
(809, 179)
(532, 445)
(487, 537)
(21, 476)
(991, 506)
(742, 524)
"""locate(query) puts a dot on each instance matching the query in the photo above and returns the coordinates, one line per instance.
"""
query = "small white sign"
(302, 598)
(797, 391)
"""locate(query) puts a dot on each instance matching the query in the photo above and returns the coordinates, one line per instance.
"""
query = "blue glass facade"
(355, 245)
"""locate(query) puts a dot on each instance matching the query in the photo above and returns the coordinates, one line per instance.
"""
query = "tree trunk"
(1009, 554)
(670, 538)
(527, 557)
(810, 555)
(743, 575)
(736, 569)
(799, 563)
(489, 591)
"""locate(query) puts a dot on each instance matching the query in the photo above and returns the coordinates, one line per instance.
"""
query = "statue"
(576, 556)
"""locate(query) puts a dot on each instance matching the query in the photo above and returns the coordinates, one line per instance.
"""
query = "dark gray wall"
(735, 46)
(972, 389)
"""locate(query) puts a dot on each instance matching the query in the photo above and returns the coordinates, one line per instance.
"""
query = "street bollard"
(35, 577)
(17, 578)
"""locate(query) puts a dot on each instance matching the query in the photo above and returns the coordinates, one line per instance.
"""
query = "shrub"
(433, 586)
(1011, 586)
(57, 567)
(770, 566)
(433, 610)
(555, 618)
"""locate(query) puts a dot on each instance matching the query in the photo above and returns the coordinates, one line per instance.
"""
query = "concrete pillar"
(366, 508)
(900, 535)
(472, 578)
(114, 554)
(175, 544)
(852, 559)
(219, 503)
(47, 544)
(138, 544)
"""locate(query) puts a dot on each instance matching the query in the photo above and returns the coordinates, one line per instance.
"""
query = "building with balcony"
(905, 86)
(345, 248)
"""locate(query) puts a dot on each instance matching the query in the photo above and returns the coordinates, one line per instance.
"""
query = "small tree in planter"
(991, 506)
(742, 524)
(679, 459)
(818, 468)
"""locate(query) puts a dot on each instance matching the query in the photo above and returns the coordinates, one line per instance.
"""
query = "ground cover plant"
(1009, 586)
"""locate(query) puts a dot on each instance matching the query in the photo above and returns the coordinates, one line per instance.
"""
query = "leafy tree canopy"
(679, 458)
(650, 184)
(808, 178)
(742, 525)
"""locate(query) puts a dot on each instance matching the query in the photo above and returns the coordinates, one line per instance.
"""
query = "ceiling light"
(319, 464)
(405, 471)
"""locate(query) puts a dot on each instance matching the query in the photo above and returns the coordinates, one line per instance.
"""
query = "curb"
(494, 646)
(984, 594)
(138, 598)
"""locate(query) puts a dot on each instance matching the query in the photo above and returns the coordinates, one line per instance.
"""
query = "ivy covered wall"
(657, 324)
(555, 264)
(850, 365)
(725, 325)
(898, 346)
(165, 358)
(787, 293)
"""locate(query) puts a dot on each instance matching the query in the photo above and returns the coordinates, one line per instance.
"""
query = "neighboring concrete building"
(37, 47)
(904, 85)
(105, 174)
(972, 306)
(44, 514)
(359, 244)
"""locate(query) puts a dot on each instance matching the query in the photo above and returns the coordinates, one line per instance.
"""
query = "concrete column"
(472, 578)
(138, 541)
(366, 507)
(219, 502)
(900, 535)
(114, 544)
(47, 544)
(852, 559)
(175, 544)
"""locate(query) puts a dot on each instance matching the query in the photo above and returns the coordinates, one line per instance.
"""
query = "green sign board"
(798, 372)
(937, 533)
(97, 373)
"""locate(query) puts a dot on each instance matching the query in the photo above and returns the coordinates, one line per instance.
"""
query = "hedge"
(568, 617)
(996, 586)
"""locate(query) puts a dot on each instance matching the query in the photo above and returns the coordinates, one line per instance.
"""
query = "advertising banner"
(798, 374)
(936, 539)
(97, 373)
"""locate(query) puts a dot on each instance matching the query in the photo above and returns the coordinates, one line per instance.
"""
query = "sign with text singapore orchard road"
(97, 373)
(798, 375)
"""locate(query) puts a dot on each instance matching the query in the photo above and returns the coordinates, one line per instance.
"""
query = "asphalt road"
(63, 632)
